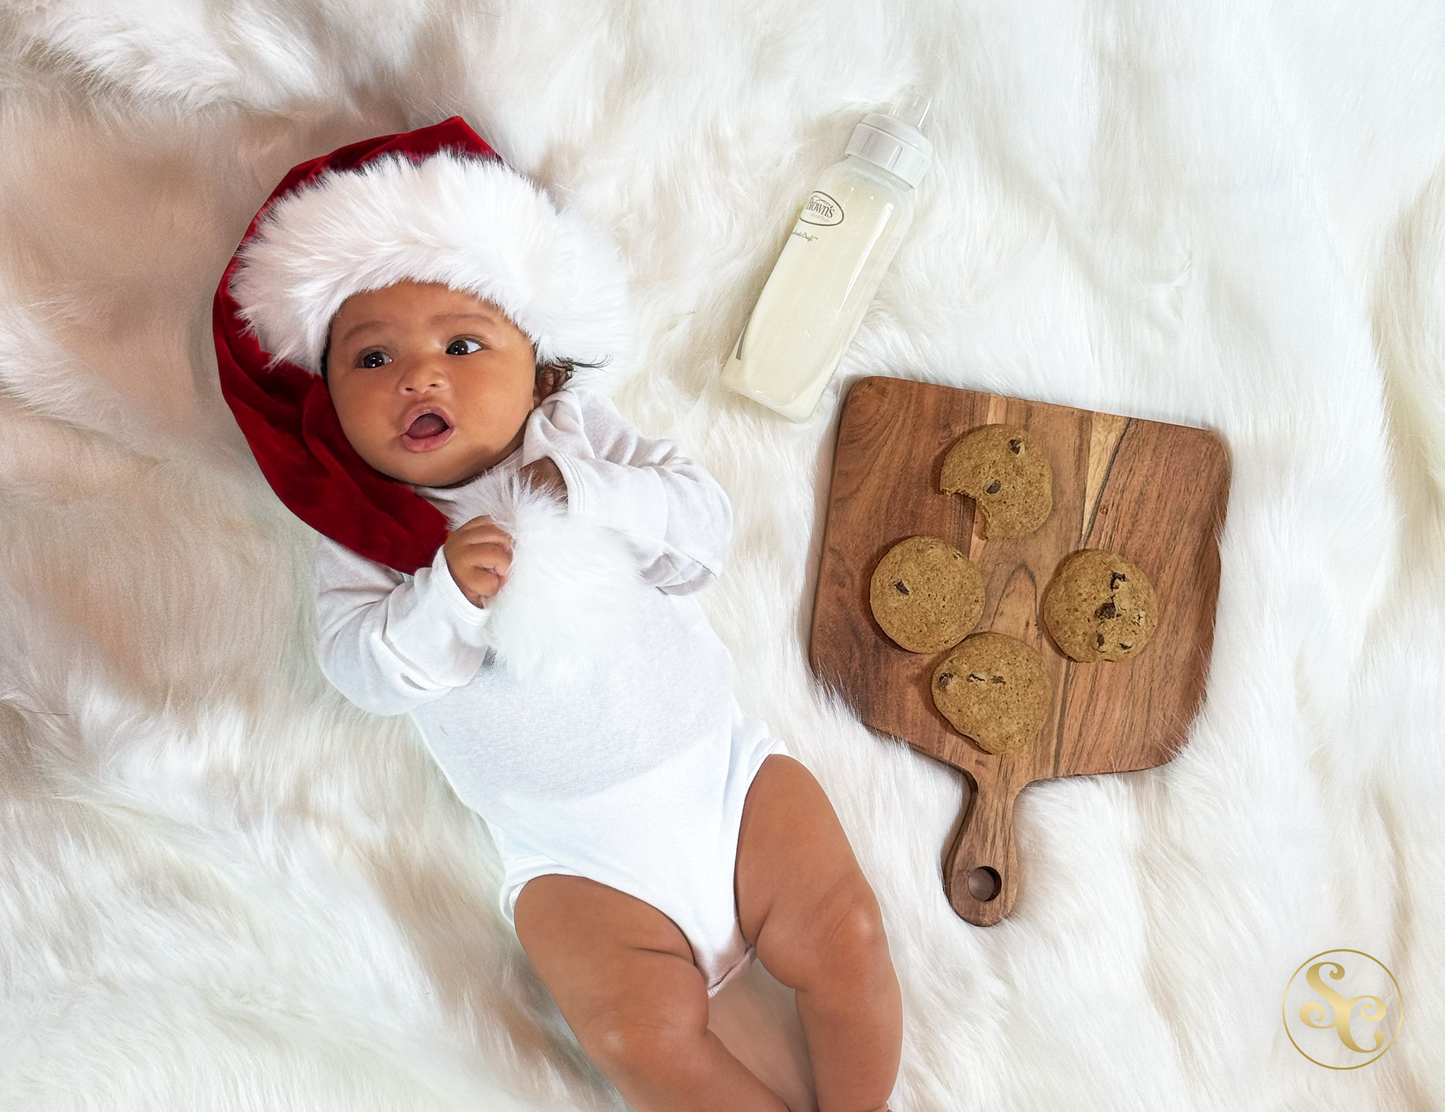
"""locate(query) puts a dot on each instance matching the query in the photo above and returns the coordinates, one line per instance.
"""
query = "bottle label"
(821, 210)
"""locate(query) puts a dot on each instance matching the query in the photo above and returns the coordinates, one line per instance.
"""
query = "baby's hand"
(479, 556)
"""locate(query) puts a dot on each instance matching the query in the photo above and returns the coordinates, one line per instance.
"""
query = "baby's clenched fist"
(479, 556)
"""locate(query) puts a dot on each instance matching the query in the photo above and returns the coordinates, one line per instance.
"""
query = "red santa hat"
(432, 205)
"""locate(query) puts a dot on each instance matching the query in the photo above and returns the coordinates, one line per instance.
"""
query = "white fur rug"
(222, 887)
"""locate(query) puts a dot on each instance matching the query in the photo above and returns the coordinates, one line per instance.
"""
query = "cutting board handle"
(980, 876)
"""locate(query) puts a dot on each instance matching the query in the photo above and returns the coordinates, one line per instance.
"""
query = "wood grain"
(1153, 493)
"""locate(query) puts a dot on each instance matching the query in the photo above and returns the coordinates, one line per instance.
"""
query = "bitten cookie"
(1003, 471)
(926, 594)
(995, 690)
(1100, 607)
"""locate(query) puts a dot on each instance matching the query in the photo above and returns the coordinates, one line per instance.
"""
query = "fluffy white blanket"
(223, 887)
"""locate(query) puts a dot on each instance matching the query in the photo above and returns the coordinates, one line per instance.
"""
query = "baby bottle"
(845, 237)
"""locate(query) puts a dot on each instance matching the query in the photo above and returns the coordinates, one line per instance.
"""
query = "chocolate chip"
(993, 487)
(997, 679)
(1015, 445)
(1107, 610)
(1115, 578)
(900, 587)
(977, 677)
(945, 678)
(1100, 640)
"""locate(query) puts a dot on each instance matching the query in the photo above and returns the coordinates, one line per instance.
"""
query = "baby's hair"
(568, 367)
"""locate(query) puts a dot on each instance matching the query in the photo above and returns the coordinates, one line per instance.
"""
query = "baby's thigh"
(621, 971)
(803, 902)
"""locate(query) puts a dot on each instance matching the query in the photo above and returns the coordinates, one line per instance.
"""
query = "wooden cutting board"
(1153, 493)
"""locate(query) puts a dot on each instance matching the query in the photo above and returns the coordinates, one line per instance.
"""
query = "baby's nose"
(423, 374)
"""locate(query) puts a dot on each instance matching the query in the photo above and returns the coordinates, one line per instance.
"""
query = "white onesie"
(635, 774)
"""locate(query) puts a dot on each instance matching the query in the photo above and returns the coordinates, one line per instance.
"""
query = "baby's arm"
(676, 517)
(389, 642)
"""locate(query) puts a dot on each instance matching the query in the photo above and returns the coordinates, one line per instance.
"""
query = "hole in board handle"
(984, 884)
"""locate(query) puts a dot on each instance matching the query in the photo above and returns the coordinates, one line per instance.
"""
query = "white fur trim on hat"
(468, 223)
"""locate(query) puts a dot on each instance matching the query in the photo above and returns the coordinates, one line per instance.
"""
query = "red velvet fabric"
(285, 410)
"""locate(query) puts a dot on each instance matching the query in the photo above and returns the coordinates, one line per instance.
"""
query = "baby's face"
(432, 386)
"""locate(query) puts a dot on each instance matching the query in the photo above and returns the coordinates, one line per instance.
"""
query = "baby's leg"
(806, 906)
(622, 974)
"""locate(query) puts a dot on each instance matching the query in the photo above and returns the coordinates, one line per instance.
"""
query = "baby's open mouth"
(426, 426)
(427, 430)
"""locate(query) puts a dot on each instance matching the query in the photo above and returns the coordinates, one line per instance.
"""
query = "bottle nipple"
(912, 106)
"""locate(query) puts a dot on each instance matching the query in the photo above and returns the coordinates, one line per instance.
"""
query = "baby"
(653, 837)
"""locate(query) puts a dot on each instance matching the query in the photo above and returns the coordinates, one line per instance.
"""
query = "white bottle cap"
(895, 144)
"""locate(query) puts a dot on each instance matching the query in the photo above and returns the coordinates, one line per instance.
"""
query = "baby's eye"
(373, 359)
(463, 345)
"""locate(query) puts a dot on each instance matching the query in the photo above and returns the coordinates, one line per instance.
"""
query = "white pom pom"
(572, 595)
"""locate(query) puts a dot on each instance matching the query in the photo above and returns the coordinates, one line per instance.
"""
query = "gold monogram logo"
(1344, 1012)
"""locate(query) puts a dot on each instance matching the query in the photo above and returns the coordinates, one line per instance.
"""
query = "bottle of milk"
(846, 235)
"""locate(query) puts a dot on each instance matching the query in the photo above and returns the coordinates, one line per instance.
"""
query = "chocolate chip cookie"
(1099, 606)
(926, 594)
(1006, 475)
(995, 690)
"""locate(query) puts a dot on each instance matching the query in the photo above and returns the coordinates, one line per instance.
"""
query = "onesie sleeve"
(675, 516)
(392, 642)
